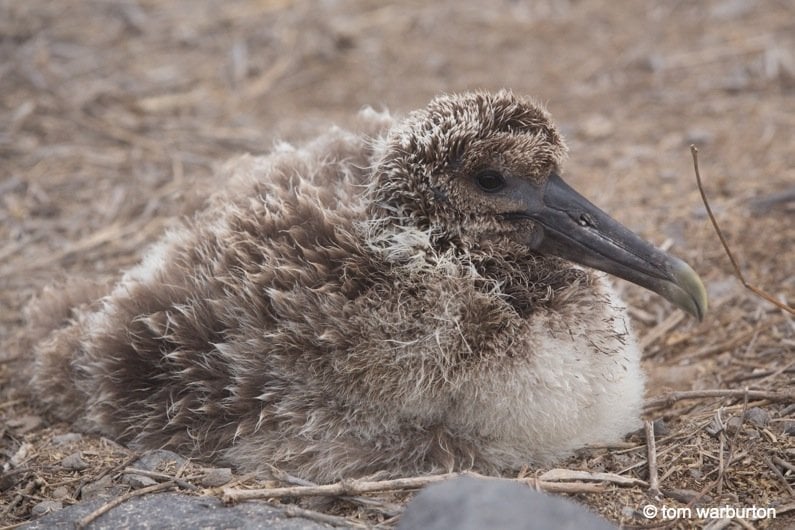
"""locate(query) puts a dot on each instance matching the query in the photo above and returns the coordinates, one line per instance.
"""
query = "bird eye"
(490, 181)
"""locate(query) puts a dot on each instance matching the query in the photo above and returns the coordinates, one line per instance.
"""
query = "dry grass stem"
(651, 458)
(564, 475)
(780, 476)
(292, 510)
(182, 483)
(13, 526)
(659, 331)
(759, 292)
(669, 399)
(359, 487)
(388, 509)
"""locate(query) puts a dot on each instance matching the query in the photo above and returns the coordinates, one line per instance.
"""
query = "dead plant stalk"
(737, 272)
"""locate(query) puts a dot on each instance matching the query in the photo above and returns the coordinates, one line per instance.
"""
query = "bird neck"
(526, 280)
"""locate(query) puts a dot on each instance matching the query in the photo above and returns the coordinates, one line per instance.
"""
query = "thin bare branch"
(654, 485)
(359, 487)
(559, 475)
(291, 510)
(182, 483)
(737, 272)
(780, 476)
(669, 399)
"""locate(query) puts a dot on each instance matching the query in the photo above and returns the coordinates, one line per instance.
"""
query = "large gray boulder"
(469, 503)
(176, 510)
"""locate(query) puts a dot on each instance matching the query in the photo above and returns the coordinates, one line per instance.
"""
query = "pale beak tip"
(691, 295)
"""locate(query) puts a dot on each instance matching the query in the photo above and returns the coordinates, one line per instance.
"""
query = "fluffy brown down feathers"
(350, 307)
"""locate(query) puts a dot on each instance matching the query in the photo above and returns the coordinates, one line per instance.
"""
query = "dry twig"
(13, 526)
(291, 510)
(780, 476)
(757, 291)
(729, 344)
(561, 475)
(386, 508)
(654, 486)
(359, 487)
(783, 463)
(660, 330)
(669, 399)
(182, 483)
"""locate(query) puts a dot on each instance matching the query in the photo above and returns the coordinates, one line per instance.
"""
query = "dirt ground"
(115, 115)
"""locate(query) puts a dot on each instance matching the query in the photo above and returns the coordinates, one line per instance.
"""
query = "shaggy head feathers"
(427, 176)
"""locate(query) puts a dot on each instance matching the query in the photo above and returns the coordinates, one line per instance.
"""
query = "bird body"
(362, 304)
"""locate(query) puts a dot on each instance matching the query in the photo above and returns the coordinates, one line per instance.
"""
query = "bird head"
(482, 171)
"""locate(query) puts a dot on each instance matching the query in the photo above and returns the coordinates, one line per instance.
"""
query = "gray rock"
(175, 510)
(661, 428)
(138, 481)
(757, 417)
(61, 492)
(215, 477)
(471, 504)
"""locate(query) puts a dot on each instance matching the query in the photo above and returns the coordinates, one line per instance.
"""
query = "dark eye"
(490, 180)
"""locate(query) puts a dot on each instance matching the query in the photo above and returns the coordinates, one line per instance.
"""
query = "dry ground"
(115, 114)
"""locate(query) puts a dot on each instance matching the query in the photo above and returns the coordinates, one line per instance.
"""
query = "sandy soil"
(115, 115)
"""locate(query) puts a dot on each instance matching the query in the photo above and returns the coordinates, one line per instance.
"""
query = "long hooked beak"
(577, 230)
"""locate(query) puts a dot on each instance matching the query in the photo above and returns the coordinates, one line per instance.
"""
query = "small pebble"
(138, 481)
(661, 428)
(45, 507)
(757, 417)
(61, 492)
(74, 462)
(216, 477)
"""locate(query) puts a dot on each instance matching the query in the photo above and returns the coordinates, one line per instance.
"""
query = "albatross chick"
(415, 296)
